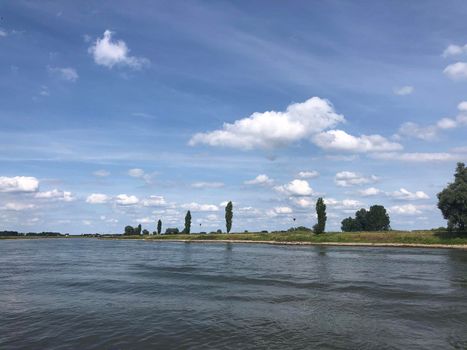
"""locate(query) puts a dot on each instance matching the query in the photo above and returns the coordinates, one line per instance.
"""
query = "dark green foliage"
(321, 213)
(159, 227)
(187, 223)
(375, 219)
(228, 216)
(172, 231)
(138, 230)
(145, 232)
(129, 230)
(219, 231)
(299, 228)
(452, 201)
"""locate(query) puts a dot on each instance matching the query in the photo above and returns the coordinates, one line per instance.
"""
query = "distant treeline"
(40, 234)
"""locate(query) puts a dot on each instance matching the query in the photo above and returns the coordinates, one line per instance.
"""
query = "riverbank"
(422, 239)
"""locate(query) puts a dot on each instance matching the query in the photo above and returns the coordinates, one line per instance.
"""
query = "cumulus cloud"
(345, 204)
(109, 53)
(65, 73)
(154, 201)
(406, 209)
(274, 128)
(349, 178)
(207, 184)
(101, 173)
(454, 50)
(56, 194)
(279, 211)
(308, 174)
(124, 199)
(97, 198)
(339, 140)
(303, 202)
(261, 179)
(18, 184)
(456, 71)
(295, 188)
(404, 90)
(407, 195)
(371, 191)
(200, 207)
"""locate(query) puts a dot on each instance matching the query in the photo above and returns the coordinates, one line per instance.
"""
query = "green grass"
(412, 237)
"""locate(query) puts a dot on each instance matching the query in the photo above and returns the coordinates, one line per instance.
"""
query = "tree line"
(452, 201)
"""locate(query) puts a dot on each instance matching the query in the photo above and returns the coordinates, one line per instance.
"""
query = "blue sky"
(116, 113)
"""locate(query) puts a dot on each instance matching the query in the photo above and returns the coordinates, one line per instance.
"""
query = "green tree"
(452, 201)
(129, 230)
(145, 232)
(138, 230)
(377, 219)
(321, 213)
(159, 227)
(228, 216)
(187, 222)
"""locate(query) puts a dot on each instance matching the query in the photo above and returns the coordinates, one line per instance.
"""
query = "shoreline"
(290, 243)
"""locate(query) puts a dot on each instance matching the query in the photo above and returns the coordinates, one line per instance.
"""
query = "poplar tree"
(228, 216)
(159, 227)
(187, 222)
(321, 213)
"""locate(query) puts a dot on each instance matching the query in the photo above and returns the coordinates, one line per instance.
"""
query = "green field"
(403, 237)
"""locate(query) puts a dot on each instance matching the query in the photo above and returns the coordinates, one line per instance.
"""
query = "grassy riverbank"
(400, 237)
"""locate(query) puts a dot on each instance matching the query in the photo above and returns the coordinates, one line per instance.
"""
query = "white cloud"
(404, 90)
(407, 195)
(410, 129)
(154, 201)
(3, 33)
(339, 140)
(418, 157)
(97, 198)
(140, 174)
(295, 188)
(446, 123)
(456, 71)
(272, 128)
(261, 179)
(123, 199)
(283, 210)
(207, 184)
(109, 53)
(145, 220)
(308, 174)
(303, 202)
(349, 178)
(345, 204)
(18, 206)
(406, 209)
(371, 191)
(462, 106)
(18, 184)
(454, 50)
(65, 73)
(56, 195)
(200, 207)
(101, 173)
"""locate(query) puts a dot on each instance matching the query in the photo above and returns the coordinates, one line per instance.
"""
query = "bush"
(375, 219)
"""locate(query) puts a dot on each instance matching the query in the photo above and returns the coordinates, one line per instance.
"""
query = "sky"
(116, 113)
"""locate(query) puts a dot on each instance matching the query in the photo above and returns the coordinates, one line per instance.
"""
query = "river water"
(118, 294)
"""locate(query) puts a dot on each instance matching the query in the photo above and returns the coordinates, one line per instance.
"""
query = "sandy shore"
(344, 244)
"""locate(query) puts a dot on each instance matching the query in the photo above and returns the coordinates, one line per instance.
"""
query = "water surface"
(98, 294)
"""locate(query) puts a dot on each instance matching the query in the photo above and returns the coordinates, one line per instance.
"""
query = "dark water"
(95, 294)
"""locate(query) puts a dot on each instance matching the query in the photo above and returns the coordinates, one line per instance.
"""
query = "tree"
(138, 230)
(159, 227)
(145, 232)
(452, 201)
(187, 222)
(228, 216)
(129, 230)
(375, 219)
(321, 213)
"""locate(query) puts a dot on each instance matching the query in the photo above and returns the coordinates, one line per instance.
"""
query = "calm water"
(95, 294)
